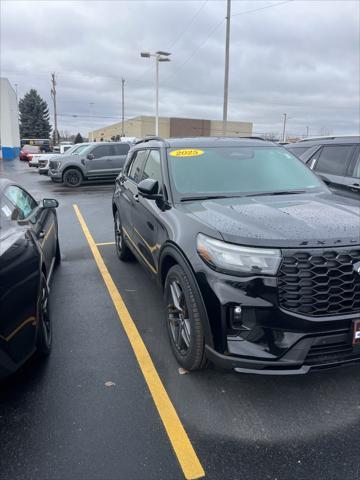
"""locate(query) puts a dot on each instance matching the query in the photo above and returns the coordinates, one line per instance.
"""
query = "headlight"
(227, 256)
(55, 165)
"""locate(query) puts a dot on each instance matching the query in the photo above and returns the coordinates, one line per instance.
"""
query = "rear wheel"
(122, 250)
(72, 177)
(44, 334)
(57, 253)
(184, 323)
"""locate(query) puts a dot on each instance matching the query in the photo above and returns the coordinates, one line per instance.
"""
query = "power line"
(262, 8)
(188, 25)
(213, 31)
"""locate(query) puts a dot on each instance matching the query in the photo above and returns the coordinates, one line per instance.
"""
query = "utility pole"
(53, 94)
(307, 131)
(226, 79)
(123, 107)
(157, 96)
(284, 128)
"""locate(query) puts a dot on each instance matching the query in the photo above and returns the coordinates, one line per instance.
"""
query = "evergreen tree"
(34, 116)
(78, 138)
(53, 136)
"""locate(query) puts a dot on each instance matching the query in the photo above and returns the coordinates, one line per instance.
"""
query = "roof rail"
(149, 139)
(254, 138)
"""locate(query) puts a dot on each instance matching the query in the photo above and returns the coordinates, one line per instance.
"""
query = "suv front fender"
(171, 255)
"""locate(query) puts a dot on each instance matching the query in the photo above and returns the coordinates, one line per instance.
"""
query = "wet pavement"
(60, 421)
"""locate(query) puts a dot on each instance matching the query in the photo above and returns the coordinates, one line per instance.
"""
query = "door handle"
(41, 234)
(136, 197)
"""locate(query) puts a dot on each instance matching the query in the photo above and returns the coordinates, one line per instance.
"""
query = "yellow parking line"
(104, 243)
(178, 437)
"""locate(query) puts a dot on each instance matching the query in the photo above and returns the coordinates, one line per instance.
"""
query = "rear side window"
(102, 151)
(334, 159)
(120, 149)
(137, 165)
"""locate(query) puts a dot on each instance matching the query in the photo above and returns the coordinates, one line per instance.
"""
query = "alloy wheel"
(178, 318)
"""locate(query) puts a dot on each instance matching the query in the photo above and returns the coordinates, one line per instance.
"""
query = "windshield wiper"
(203, 197)
(281, 192)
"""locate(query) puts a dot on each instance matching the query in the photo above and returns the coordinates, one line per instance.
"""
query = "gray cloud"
(300, 57)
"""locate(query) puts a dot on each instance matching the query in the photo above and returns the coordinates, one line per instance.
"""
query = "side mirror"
(90, 156)
(149, 188)
(50, 203)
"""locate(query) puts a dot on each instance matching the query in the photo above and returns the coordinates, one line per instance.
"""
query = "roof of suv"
(310, 142)
(195, 142)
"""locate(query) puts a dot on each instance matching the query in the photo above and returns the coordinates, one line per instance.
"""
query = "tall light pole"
(122, 107)
(284, 128)
(53, 94)
(159, 57)
(227, 55)
(92, 131)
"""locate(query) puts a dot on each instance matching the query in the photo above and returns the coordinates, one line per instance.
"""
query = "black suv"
(259, 261)
(335, 159)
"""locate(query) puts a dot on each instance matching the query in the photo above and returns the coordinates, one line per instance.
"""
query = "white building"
(9, 121)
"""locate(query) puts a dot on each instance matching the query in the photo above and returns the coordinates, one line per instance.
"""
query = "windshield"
(78, 149)
(237, 170)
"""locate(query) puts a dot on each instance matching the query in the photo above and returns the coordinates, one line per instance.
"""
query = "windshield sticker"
(186, 152)
(6, 210)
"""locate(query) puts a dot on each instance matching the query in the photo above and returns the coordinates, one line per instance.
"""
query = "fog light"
(237, 316)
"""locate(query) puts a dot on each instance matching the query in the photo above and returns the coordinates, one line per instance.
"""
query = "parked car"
(44, 159)
(335, 159)
(43, 143)
(259, 262)
(27, 152)
(97, 161)
(29, 250)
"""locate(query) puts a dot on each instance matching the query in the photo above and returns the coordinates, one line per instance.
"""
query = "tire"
(184, 324)
(57, 253)
(44, 334)
(122, 250)
(73, 177)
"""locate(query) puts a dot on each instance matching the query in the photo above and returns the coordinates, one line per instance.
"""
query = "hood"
(300, 220)
(9, 234)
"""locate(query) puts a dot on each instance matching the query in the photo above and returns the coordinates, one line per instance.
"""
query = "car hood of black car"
(297, 220)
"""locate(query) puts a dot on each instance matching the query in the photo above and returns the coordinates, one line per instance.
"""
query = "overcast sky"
(299, 57)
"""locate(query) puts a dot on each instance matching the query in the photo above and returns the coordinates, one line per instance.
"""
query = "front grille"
(320, 282)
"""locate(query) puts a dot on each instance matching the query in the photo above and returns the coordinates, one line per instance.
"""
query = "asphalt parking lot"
(88, 413)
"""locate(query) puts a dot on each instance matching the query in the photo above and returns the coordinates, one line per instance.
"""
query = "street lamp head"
(164, 59)
(145, 54)
(166, 54)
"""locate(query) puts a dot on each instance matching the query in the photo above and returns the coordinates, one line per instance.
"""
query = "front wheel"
(185, 327)
(122, 250)
(72, 177)
(44, 334)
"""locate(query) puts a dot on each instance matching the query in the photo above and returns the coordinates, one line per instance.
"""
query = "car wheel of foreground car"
(72, 177)
(57, 253)
(44, 335)
(184, 323)
(122, 250)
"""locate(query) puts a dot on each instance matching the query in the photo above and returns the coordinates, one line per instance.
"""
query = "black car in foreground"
(258, 260)
(335, 159)
(29, 250)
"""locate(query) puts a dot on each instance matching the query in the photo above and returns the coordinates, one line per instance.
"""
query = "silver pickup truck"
(97, 161)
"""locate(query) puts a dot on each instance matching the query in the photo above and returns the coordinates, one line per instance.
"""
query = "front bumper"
(269, 339)
(311, 353)
(55, 175)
